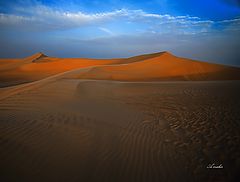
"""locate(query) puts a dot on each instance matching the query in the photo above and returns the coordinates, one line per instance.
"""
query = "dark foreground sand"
(81, 130)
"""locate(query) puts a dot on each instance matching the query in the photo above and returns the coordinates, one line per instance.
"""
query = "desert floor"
(85, 130)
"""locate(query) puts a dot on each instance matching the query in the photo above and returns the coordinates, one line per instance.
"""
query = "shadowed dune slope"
(162, 66)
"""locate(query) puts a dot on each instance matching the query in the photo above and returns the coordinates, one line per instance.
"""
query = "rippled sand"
(82, 130)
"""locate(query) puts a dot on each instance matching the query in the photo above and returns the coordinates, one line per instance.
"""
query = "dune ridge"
(161, 66)
(40, 66)
(36, 57)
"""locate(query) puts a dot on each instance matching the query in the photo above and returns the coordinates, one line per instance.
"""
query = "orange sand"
(163, 66)
(39, 66)
(148, 67)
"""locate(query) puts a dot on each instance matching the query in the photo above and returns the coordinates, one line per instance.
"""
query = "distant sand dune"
(39, 66)
(149, 67)
(162, 66)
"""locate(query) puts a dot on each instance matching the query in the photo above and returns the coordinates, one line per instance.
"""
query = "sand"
(83, 130)
(62, 128)
(162, 66)
(40, 66)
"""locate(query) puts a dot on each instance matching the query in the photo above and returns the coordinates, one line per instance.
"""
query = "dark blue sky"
(207, 30)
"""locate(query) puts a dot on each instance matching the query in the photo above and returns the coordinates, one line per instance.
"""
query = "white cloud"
(41, 18)
(106, 30)
(54, 19)
(8, 19)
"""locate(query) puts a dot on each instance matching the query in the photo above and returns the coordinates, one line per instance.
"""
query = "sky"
(207, 30)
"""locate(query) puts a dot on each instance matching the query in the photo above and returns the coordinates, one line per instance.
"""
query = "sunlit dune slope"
(9, 64)
(162, 66)
(39, 66)
(148, 67)
(139, 58)
(50, 65)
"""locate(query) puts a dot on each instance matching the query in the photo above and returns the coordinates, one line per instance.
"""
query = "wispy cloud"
(39, 18)
(109, 32)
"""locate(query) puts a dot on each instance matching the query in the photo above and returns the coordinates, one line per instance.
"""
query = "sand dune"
(63, 127)
(39, 66)
(139, 58)
(148, 67)
(162, 66)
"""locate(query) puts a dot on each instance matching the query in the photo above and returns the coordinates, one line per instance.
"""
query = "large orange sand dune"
(39, 66)
(148, 67)
(162, 66)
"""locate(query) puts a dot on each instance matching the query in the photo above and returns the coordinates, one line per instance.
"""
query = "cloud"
(109, 32)
(53, 19)
(43, 18)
